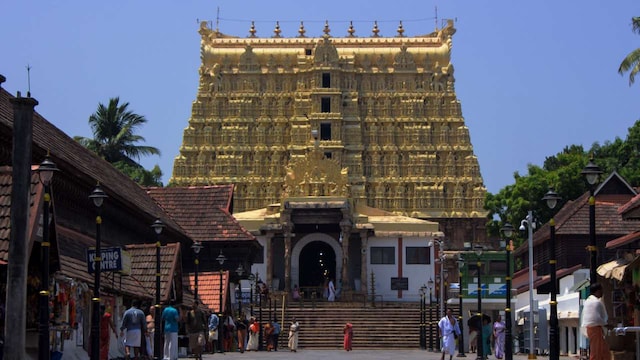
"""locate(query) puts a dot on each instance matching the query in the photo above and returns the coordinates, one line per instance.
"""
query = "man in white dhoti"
(448, 330)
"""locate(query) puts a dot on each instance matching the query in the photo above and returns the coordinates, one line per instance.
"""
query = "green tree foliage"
(562, 172)
(631, 63)
(115, 140)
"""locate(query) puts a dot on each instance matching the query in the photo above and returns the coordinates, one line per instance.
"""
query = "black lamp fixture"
(552, 198)
(157, 227)
(507, 245)
(221, 259)
(591, 173)
(45, 173)
(97, 196)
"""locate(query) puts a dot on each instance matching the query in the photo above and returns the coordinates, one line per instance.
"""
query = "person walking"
(348, 336)
(241, 326)
(135, 324)
(448, 330)
(268, 334)
(486, 337)
(498, 337)
(196, 325)
(254, 329)
(170, 317)
(594, 319)
(332, 291)
(105, 337)
(214, 321)
(294, 328)
(276, 333)
(151, 330)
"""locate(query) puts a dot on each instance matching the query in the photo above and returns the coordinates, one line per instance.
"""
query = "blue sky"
(532, 76)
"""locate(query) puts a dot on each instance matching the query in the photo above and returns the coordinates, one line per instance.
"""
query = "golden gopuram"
(382, 110)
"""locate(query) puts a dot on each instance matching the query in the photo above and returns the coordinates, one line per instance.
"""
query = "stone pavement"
(301, 354)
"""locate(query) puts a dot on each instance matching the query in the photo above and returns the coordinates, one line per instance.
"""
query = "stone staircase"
(386, 326)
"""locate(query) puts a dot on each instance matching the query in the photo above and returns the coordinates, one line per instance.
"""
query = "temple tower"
(384, 108)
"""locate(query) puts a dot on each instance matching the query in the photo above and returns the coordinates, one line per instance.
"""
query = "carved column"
(364, 241)
(287, 228)
(269, 258)
(345, 227)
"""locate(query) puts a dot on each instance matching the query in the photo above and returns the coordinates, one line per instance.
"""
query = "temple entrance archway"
(306, 266)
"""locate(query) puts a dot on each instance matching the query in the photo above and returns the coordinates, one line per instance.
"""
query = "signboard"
(399, 283)
(111, 259)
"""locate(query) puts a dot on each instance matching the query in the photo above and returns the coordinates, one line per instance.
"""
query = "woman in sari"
(293, 335)
(254, 329)
(498, 337)
(348, 336)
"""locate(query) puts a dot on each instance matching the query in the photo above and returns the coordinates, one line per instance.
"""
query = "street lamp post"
(438, 306)
(240, 272)
(530, 224)
(507, 231)
(591, 172)
(423, 331)
(461, 317)
(221, 259)
(430, 285)
(445, 281)
(97, 196)
(552, 198)
(196, 247)
(45, 173)
(157, 226)
(480, 351)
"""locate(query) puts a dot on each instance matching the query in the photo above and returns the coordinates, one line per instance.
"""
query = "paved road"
(341, 354)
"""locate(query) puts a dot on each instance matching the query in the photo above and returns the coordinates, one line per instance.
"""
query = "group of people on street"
(449, 331)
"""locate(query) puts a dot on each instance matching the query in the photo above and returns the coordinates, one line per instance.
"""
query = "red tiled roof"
(573, 219)
(560, 273)
(202, 212)
(623, 240)
(631, 205)
(143, 266)
(209, 288)
(5, 209)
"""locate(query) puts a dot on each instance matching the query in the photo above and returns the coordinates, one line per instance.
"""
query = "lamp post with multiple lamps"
(157, 226)
(45, 173)
(460, 318)
(221, 259)
(441, 257)
(97, 196)
(591, 173)
(507, 231)
(552, 198)
(529, 224)
(431, 327)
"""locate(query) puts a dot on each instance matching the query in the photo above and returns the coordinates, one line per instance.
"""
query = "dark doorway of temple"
(317, 263)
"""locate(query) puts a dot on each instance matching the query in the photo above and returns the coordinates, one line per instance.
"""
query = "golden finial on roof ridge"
(400, 30)
(277, 31)
(326, 29)
(375, 29)
(252, 30)
(301, 30)
(351, 30)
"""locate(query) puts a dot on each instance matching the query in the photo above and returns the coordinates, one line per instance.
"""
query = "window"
(325, 105)
(383, 255)
(418, 255)
(328, 154)
(325, 131)
(326, 80)
(497, 267)
(259, 259)
(307, 52)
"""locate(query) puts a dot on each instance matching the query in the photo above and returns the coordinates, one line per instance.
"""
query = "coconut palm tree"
(631, 62)
(114, 137)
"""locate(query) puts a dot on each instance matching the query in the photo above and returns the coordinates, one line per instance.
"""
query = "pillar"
(364, 240)
(269, 258)
(345, 227)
